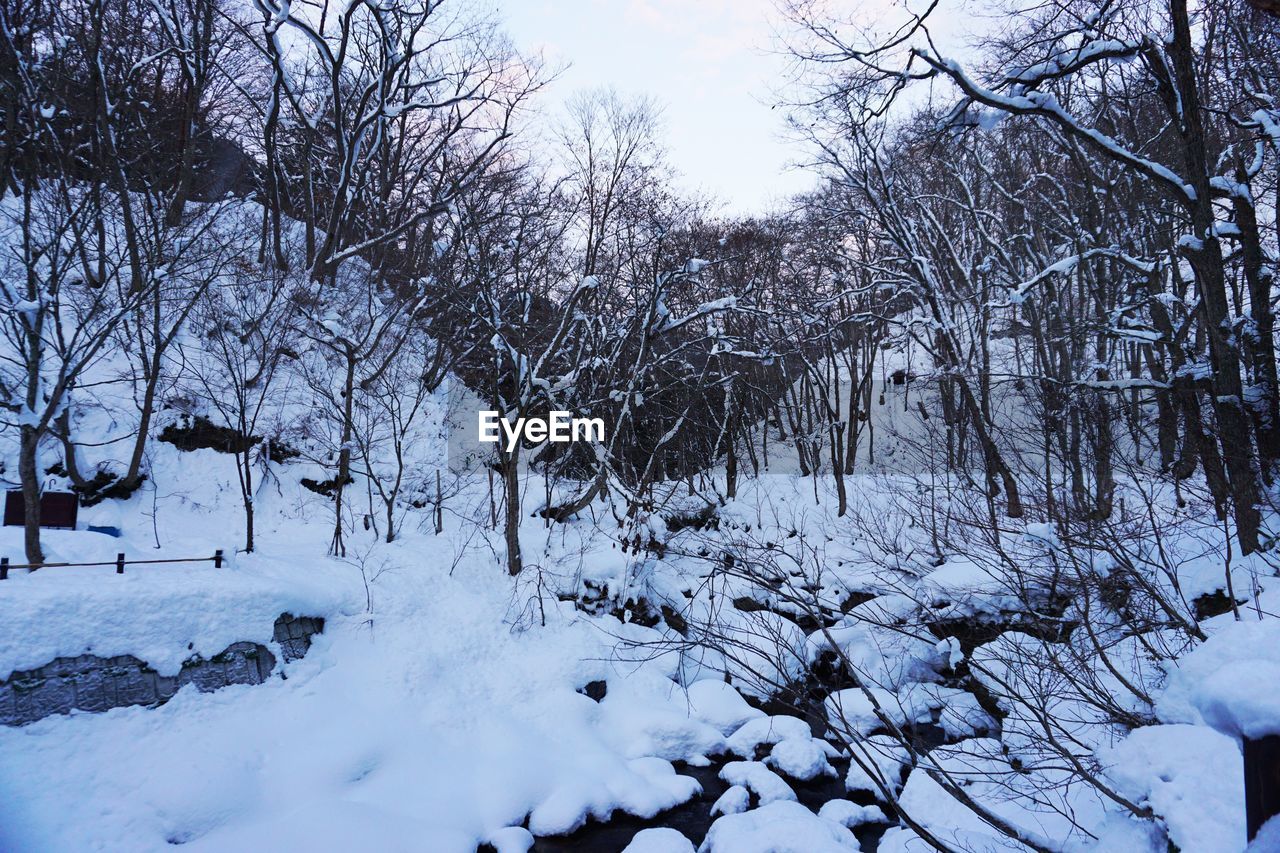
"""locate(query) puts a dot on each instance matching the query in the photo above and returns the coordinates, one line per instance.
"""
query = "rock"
(781, 827)
(595, 690)
(659, 840)
(94, 684)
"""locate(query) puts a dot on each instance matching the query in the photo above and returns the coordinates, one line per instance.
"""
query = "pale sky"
(707, 63)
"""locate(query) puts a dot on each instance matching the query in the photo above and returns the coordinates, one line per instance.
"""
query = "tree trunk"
(511, 482)
(248, 501)
(70, 461)
(145, 414)
(29, 473)
(1207, 260)
(1264, 402)
(837, 469)
(338, 547)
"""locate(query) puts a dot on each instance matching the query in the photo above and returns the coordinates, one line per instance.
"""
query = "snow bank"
(1191, 776)
(1229, 682)
(160, 614)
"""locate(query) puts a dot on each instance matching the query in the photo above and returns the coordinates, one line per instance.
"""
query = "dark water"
(693, 818)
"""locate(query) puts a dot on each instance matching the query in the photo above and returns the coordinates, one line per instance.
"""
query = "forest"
(950, 482)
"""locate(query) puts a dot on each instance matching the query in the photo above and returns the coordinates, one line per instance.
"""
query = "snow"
(802, 758)
(1267, 839)
(161, 614)
(877, 652)
(901, 840)
(766, 730)
(768, 786)
(779, 827)
(719, 705)
(644, 788)
(659, 726)
(438, 715)
(855, 714)
(1228, 681)
(438, 712)
(511, 839)
(961, 588)
(1191, 776)
(876, 761)
(980, 765)
(958, 711)
(415, 721)
(851, 814)
(659, 840)
(734, 800)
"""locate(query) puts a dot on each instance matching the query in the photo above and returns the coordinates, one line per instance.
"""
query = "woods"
(1014, 352)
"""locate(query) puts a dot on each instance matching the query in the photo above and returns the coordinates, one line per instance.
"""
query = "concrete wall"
(92, 683)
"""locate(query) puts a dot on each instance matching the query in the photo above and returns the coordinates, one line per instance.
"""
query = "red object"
(57, 510)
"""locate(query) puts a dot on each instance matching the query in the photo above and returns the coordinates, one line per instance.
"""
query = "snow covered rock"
(762, 650)
(962, 589)
(802, 758)
(766, 730)
(1191, 776)
(659, 839)
(780, 827)
(853, 713)
(759, 779)
(511, 839)
(959, 713)
(1229, 682)
(899, 839)
(734, 800)
(876, 761)
(1267, 839)
(643, 726)
(876, 649)
(851, 814)
(719, 705)
(647, 786)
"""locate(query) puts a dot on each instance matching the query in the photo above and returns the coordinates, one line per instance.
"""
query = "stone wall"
(92, 683)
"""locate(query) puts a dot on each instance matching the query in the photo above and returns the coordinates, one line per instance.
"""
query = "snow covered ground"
(427, 723)
(443, 707)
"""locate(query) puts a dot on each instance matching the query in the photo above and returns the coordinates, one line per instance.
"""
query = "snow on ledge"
(1229, 682)
(163, 614)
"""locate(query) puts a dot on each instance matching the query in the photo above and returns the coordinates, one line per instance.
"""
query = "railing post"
(217, 559)
(1261, 781)
(4, 568)
(119, 564)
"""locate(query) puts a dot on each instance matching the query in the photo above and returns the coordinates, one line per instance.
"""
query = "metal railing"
(120, 562)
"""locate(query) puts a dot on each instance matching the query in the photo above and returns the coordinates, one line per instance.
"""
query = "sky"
(712, 65)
